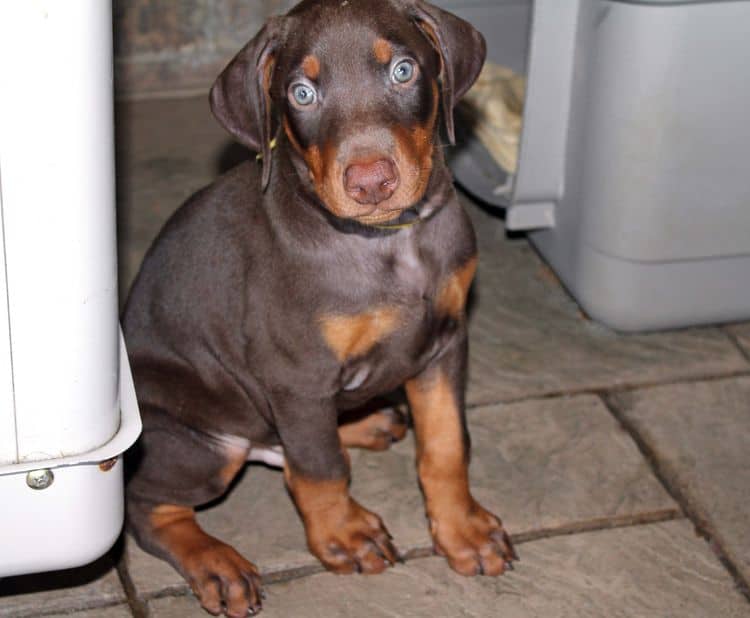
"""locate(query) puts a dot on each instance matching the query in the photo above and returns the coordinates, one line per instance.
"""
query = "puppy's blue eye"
(403, 72)
(303, 94)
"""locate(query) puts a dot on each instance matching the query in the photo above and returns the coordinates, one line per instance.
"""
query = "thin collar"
(408, 218)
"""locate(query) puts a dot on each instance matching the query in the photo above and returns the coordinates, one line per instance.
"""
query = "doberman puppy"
(332, 271)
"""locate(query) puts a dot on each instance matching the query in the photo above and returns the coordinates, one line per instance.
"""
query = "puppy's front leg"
(345, 537)
(469, 536)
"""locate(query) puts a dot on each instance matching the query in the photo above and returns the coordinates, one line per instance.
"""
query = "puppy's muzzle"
(371, 182)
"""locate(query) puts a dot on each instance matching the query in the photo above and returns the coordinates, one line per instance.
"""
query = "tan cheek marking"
(422, 135)
(451, 297)
(354, 335)
(435, 103)
(314, 162)
(329, 184)
(330, 192)
(383, 51)
(312, 155)
(311, 67)
(414, 149)
(290, 135)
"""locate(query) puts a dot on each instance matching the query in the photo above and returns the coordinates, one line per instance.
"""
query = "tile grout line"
(426, 551)
(86, 607)
(620, 388)
(138, 607)
(736, 342)
(581, 527)
(668, 479)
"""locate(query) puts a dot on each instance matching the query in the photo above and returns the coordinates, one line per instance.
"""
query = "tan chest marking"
(350, 336)
(454, 289)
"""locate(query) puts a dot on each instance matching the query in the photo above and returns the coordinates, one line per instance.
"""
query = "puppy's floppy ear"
(240, 97)
(462, 52)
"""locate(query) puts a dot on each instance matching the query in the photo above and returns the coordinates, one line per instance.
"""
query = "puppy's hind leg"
(180, 468)
(375, 427)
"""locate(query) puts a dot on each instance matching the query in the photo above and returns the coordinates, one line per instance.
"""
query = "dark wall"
(179, 46)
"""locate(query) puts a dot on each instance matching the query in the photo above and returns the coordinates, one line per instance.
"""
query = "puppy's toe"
(224, 581)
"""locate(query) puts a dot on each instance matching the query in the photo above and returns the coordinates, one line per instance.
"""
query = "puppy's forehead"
(332, 11)
(345, 32)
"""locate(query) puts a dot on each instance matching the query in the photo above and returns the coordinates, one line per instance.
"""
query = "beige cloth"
(494, 108)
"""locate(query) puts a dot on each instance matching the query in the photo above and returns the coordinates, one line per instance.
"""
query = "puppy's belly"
(270, 455)
(237, 445)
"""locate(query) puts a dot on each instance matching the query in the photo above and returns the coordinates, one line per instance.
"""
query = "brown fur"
(274, 303)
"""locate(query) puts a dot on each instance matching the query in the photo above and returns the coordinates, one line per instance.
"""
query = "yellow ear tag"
(272, 144)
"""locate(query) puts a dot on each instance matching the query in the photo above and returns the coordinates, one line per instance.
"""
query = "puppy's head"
(356, 87)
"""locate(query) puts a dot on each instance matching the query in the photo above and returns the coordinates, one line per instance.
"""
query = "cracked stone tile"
(118, 611)
(529, 338)
(700, 433)
(86, 587)
(742, 333)
(635, 572)
(540, 465)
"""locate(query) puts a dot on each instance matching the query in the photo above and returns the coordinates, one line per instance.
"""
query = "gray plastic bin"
(634, 173)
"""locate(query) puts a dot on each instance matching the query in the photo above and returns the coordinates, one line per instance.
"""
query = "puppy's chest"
(414, 307)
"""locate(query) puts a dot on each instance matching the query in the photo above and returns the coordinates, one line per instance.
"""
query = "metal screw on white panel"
(40, 479)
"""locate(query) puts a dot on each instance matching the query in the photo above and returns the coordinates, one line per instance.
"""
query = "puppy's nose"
(371, 183)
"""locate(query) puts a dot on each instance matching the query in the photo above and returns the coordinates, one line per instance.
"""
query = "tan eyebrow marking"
(311, 67)
(383, 51)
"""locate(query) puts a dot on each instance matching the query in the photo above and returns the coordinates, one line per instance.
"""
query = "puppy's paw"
(223, 581)
(351, 539)
(473, 541)
(376, 431)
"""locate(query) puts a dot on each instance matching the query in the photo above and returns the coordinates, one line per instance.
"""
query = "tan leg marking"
(471, 538)
(454, 289)
(344, 536)
(350, 336)
(217, 574)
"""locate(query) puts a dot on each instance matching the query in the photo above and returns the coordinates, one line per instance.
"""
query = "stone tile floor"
(620, 463)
